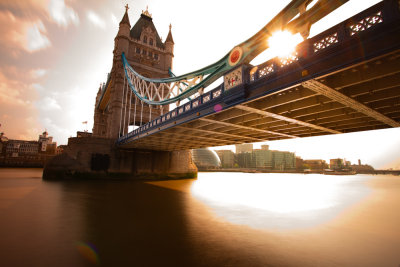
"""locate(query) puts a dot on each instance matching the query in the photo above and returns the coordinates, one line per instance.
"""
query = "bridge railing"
(376, 16)
(179, 112)
(379, 15)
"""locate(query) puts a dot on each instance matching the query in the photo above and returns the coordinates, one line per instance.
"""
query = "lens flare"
(217, 108)
(88, 251)
(283, 43)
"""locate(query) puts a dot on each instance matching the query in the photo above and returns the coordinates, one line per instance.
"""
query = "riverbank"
(25, 162)
(248, 170)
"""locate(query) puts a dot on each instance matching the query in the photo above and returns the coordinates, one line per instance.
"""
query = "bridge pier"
(99, 158)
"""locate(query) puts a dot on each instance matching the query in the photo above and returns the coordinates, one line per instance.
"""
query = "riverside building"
(267, 159)
(24, 153)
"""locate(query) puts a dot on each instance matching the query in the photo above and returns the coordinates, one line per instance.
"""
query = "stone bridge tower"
(149, 56)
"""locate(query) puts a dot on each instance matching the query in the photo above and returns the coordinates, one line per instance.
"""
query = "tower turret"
(122, 38)
(169, 48)
(117, 107)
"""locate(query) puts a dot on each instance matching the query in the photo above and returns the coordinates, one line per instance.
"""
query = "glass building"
(205, 158)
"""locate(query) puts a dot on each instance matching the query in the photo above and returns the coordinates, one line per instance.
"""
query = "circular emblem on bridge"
(235, 56)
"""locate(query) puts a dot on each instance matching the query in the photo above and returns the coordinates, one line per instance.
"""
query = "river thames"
(219, 219)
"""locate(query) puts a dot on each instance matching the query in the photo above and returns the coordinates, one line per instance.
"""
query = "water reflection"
(174, 223)
(283, 201)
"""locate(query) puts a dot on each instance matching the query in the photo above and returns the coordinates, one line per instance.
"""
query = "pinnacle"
(125, 18)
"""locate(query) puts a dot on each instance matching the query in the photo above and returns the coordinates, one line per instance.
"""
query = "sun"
(283, 43)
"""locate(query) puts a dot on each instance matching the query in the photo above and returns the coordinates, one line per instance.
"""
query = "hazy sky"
(55, 53)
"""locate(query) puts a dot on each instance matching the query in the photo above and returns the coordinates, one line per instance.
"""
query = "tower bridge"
(345, 79)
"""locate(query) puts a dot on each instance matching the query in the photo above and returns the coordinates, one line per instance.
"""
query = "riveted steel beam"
(327, 91)
(227, 135)
(283, 118)
(248, 128)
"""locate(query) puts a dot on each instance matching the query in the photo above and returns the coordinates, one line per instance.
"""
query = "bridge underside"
(340, 81)
(369, 99)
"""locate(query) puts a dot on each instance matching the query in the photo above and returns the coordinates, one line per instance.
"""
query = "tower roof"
(125, 18)
(145, 21)
(169, 37)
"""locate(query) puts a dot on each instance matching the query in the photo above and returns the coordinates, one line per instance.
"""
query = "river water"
(220, 219)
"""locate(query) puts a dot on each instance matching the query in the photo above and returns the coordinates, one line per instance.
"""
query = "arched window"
(151, 41)
(145, 39)
(137, 50)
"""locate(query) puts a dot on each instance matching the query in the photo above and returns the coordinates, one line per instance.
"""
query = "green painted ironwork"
(249, 49)
(173, 75)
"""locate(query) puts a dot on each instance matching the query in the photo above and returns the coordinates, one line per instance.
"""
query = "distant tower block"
(150, 57)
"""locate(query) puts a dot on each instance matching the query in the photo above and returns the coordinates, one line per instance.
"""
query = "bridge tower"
(150, 57)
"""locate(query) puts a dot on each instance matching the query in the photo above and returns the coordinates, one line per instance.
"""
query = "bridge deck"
(351, 84)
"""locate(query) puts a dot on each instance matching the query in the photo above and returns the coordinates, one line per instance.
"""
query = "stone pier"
(99, 158)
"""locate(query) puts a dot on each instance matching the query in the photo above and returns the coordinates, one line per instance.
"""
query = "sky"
(55, 53)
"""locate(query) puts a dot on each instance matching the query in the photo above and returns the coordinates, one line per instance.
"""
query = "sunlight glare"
(283, 43)
(285, 195)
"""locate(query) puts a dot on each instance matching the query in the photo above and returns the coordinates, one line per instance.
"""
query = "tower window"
(150, 54)
(137, 50)
(151, 41)
(156, 56)
(145, 39)
(144, 52)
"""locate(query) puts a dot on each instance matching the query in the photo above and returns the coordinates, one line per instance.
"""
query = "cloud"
(48, 103)
(114, 20)
(36, 38)
(29, 133)
(38, 73)
(12, 31)
(13, 92)
(62, 14)
(63, 111)
(54, 128)
(38, 87)
(25, 8)
(95, 19)
(22, 34)
(16, 105)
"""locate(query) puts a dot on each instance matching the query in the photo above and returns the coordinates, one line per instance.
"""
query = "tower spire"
(169, 37)
(125, 18)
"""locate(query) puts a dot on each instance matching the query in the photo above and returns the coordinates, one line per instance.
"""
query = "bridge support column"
(99, 158)
(116, 105)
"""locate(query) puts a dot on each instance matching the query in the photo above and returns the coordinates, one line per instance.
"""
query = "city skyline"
(376, 153)
(56, 53)
(279, 147)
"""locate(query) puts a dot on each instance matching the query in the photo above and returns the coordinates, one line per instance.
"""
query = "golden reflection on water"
(284, 195)
(277, 201)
